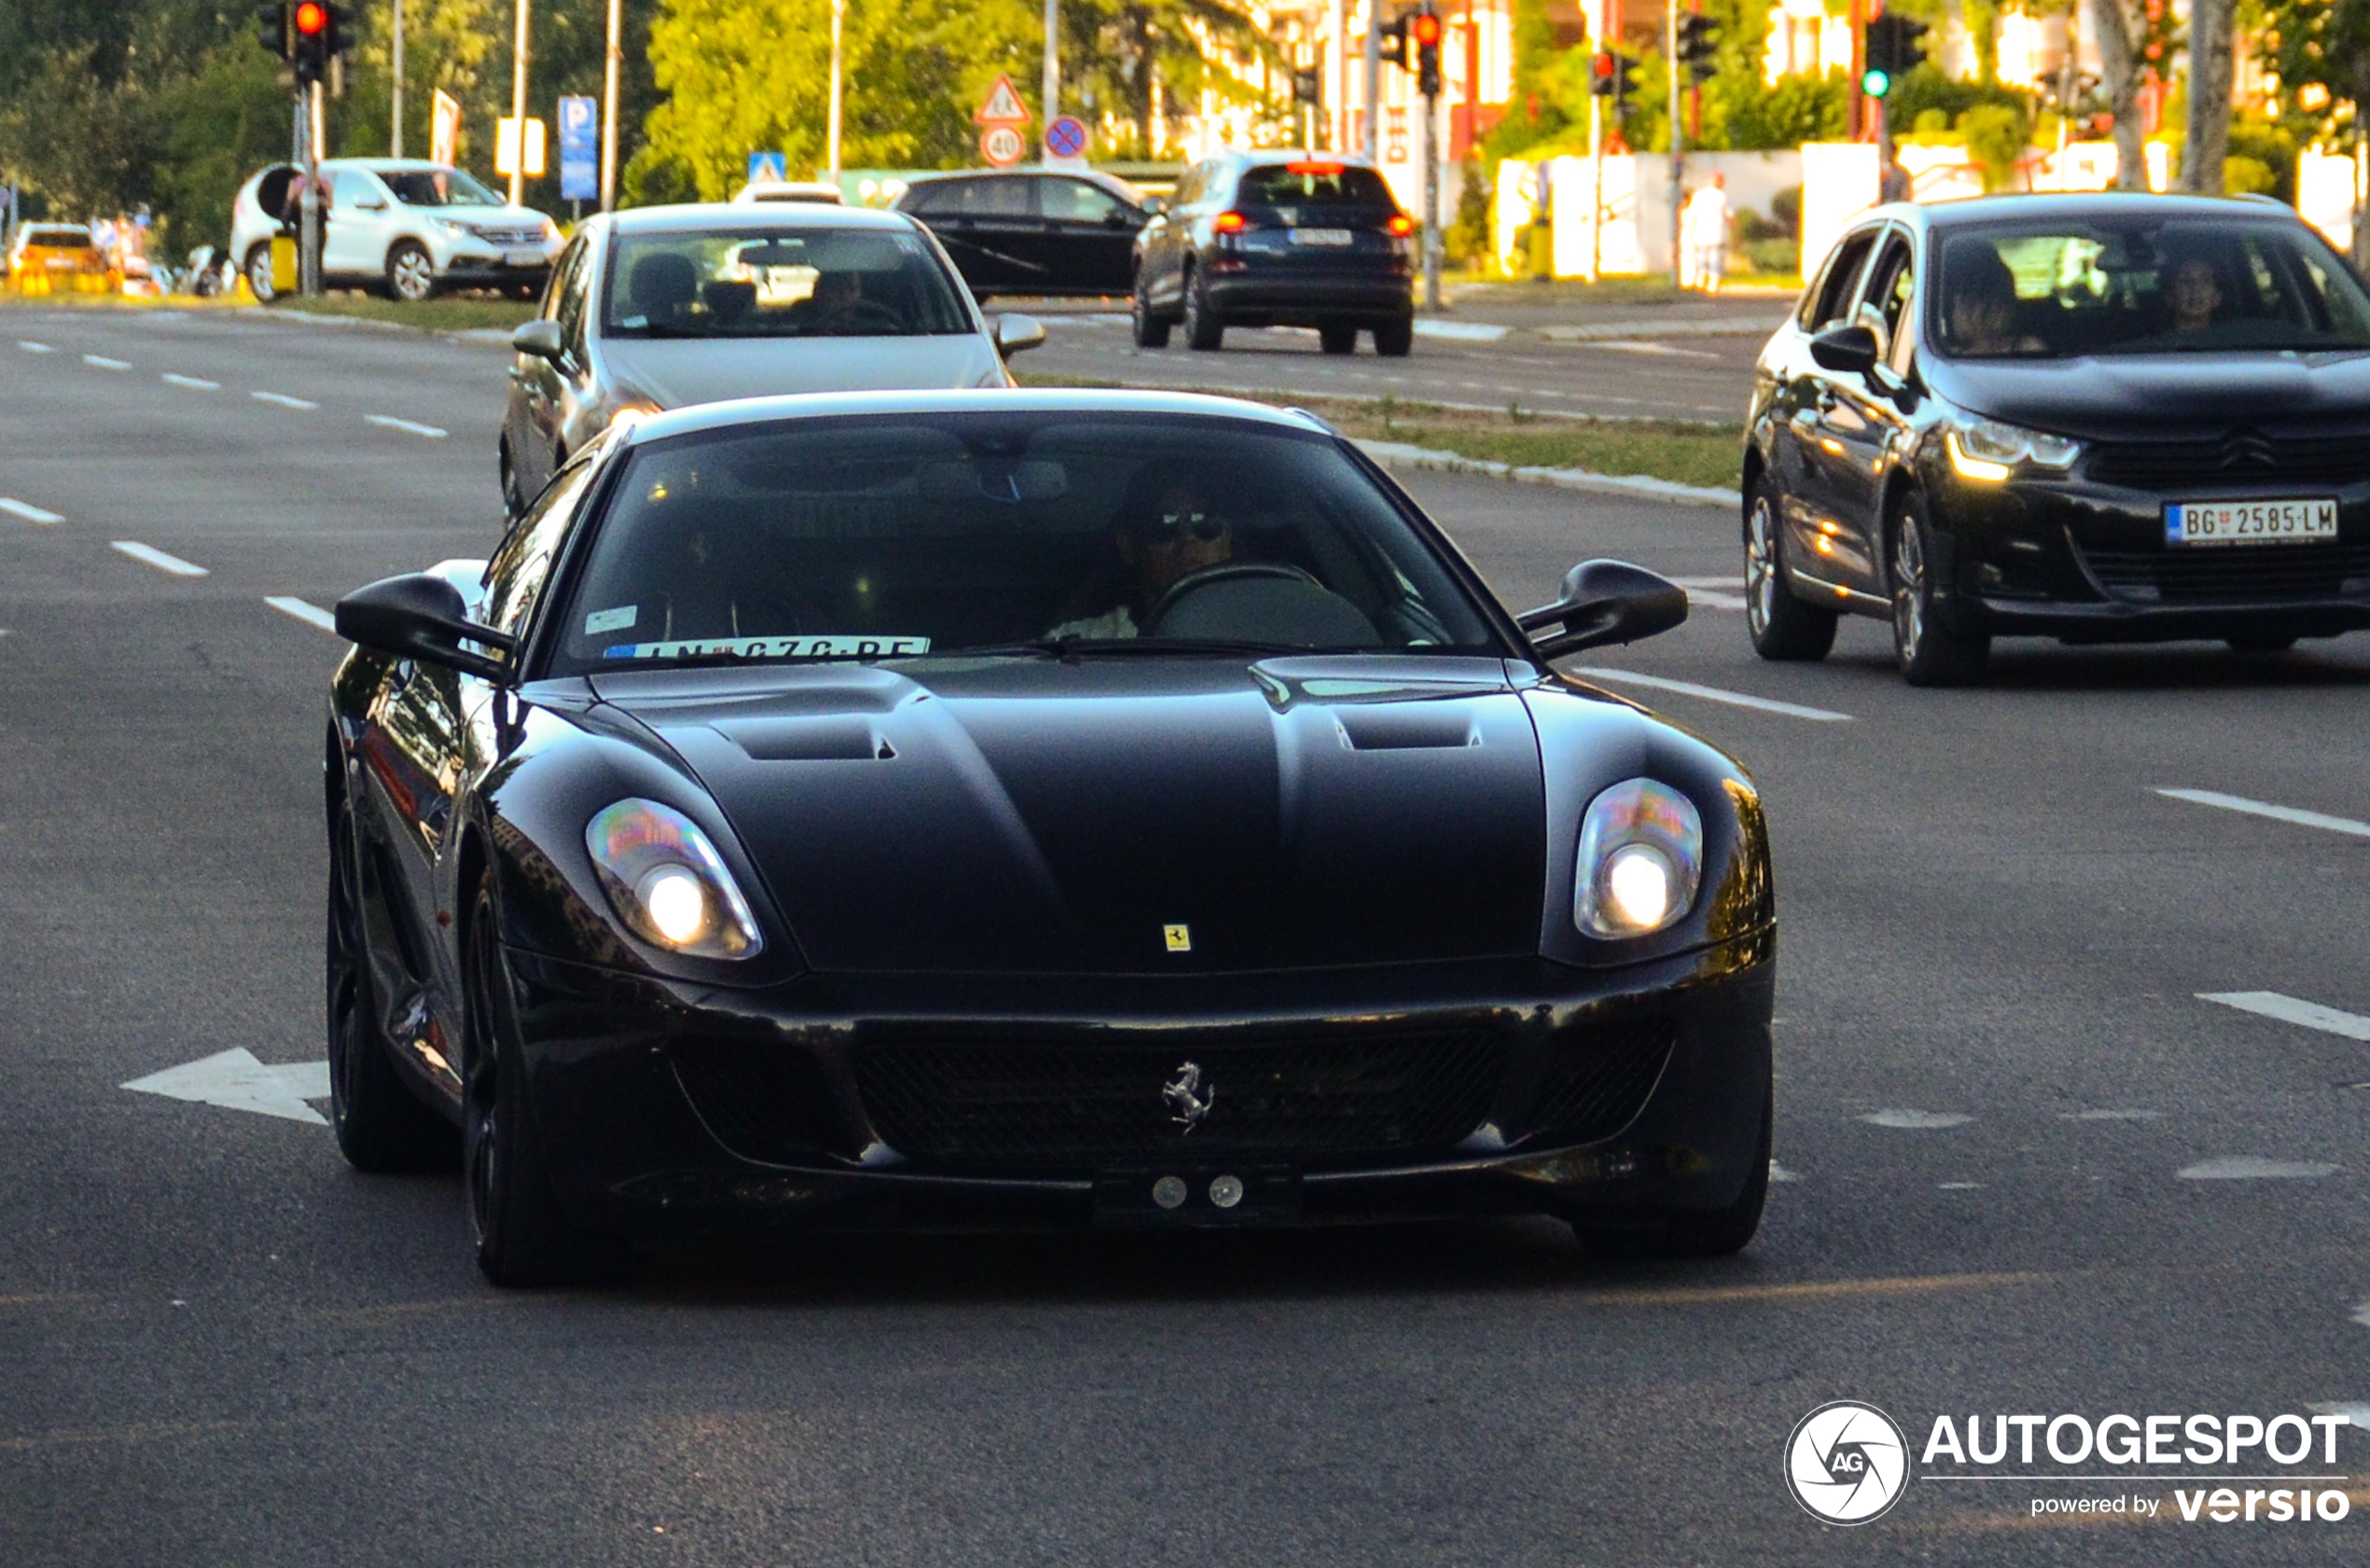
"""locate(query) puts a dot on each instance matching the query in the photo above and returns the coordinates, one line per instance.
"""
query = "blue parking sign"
(774, 166)
(580, 149)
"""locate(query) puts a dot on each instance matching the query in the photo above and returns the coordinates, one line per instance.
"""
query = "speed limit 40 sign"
(1001, 144)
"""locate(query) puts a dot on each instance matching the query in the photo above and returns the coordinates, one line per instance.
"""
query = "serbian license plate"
(523, 258)
(2249, 522)
(1322, 237)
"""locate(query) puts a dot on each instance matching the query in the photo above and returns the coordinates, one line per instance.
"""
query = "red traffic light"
(312, 19)
(1424, 27)
(1602, 65)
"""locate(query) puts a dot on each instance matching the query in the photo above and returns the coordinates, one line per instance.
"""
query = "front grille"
(1077, 1106)
(763, 1101)
(1598, 1080)
(2230, 573)
(512, 236)
(2235, 457)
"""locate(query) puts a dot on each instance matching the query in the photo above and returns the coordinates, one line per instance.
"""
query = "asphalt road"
(2001, 1102)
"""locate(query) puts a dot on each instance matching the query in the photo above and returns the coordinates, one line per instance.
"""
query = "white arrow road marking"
(31, 347)
(158, 559)
(2253, 1168)
(2108, 1116)
(236, 1081)
(1779, 1173)
(2290, 1009)
(283, 399)
(192, 383)
(28, 511)
(101, 362)
(311, 615)
(2265, 809)
(2362, 1315)
(391, 423)
(2357, 1414)
(1714, 694)
(1917, 1120)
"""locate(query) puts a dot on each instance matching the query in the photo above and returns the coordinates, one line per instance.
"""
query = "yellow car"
(60, 259)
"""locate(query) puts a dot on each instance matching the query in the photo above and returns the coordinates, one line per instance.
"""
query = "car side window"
(932, 196)
(1831, 304)
(1076, 202)
(350, 189)
(570, 259)
(573, 293)
(1884, 303)
(514, 577)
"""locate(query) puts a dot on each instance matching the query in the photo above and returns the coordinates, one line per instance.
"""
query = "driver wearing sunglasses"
(1167, 531)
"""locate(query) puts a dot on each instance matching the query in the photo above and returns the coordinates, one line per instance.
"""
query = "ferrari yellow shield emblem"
(1179, 938)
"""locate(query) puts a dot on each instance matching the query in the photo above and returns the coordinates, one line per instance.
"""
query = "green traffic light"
(1874, 82)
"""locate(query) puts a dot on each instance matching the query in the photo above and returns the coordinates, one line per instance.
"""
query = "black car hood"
(1030, 816)
(2163, 396)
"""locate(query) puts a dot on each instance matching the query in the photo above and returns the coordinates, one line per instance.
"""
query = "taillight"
(1401, 225)
(1229, 223)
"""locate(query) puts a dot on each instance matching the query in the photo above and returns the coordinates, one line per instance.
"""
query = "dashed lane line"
(283, 399)
(2256, 1168)
(31, 347)
(101, 362)
(1715, 694)
(158, 559)
(311, 615)
(2265, 809)
(195, 383)
(391, 423)
(28, 511)
(2291, 1010)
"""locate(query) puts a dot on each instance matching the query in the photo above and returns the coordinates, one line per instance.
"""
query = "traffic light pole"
(1373, 73)
(1431, 201)
(309, 202)
(1677, 153)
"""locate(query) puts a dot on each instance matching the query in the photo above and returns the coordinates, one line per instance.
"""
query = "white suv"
(403, 225)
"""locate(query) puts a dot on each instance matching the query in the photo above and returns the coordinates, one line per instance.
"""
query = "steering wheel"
(1224, 572)
(870, 312)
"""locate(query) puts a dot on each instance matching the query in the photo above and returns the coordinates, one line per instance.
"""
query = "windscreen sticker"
(776, 647)
(609, 620)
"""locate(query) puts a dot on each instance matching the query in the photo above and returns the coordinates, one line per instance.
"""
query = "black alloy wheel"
(1394, 338)
(1781, 626)
(381, 1125)
(410, 272)
(1151, 327)
(1927, 650)
(1688, 1232)
(258, 272)
(524, 1237)
(1205, 328)
(1337, 337)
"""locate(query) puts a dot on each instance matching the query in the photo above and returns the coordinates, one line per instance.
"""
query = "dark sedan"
(1031, 807)
(1030, 232)
(2107, 417)
(1278, 239)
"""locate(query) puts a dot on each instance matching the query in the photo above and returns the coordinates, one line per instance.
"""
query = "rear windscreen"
(1276, 185)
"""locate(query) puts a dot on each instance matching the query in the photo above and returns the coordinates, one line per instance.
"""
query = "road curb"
(1400, 455)
(1602, 331)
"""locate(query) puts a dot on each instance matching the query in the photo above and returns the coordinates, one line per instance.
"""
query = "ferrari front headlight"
(666, 882)
(1641, 857)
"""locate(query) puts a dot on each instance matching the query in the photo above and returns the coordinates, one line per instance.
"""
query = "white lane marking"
(31, 347)
(2254, 1168)
(2357, 1415)
(1916, 1120)
(1730, 585)
(2108, 1116)
(2265, 809)
(283, 399)
(1960, 1187)
(2362, 1315)
(158, 559)
(101, 362)
(1627, 345)
(1714, 694)
(28, 511)
(236, 1081)
(193, 383)
(311, 615)
(1704, 599)
(1779, 1173)
(391, 423)
(2291, 1009)
(1462, 332)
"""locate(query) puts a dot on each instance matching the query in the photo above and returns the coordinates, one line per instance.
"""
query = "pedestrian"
(1703, 257)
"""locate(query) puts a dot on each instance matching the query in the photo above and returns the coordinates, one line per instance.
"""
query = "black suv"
(1032, 233)
(1278, 239)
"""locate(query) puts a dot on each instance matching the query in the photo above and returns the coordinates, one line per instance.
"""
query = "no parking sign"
(1066, 137)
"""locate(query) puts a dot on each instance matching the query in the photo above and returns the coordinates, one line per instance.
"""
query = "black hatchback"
(1030, 232)
(1278, 239)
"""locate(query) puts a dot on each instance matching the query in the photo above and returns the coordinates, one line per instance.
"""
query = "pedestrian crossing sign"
(768, 166)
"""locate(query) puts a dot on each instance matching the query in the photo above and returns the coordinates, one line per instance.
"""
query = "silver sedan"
(665, 306)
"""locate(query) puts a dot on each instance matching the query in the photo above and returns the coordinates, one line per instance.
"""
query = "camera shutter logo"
(1846, 1462)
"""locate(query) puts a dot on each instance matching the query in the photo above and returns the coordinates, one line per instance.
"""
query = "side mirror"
(1851, 350)
(421, 615)
(1604, 601)
(1015, 334)
(541, 338)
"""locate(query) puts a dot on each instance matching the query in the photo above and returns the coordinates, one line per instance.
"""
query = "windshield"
(57, 239)
(774, 282)
(436, 188)
(1319, 184)
(1030, 535)
(2140, 285)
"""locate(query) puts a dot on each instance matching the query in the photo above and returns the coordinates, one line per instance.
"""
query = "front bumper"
(671, 1109)
(2087, 562)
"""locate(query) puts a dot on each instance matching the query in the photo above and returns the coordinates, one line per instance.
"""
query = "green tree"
(2320, 48)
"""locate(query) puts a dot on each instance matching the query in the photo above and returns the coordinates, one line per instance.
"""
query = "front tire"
(380, 1126)
(1205, 328)
(1672, 1233)
(1338, 337)
(1150, 328)
(259, 272)
(1928, 651)
(1393, 339)
(410, 272)
(524, 1237)
(1781, 626)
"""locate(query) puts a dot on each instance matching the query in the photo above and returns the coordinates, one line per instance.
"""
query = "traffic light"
(1610, 76)
(340, 30)
(309, 29)
(1698, 40)
(1424, 27)
(1394, 37)
(1892, 47)
(272, 28)
(1304, 85)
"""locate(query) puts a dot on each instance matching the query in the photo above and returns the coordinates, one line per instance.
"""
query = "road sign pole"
(831, 150)
(395, 92)
(1678, 151)
(1374, 71)
(609, 65)
(1051, 107)
(518, 104)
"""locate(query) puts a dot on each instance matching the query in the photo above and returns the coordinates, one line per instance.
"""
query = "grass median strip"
(429, 315)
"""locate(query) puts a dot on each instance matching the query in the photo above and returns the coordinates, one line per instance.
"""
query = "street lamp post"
(518, 107)
(610, 62)
(395, 113)
(831, 138)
